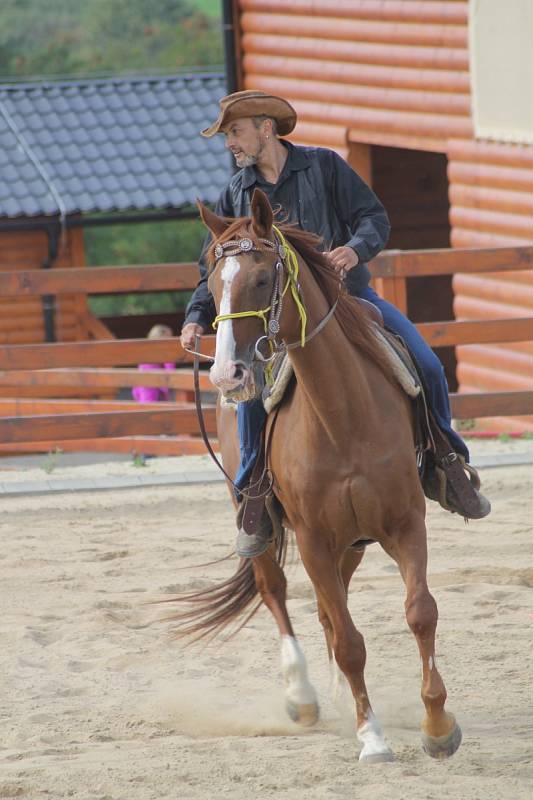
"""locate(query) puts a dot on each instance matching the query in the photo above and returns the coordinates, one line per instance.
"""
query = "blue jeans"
(251, 416)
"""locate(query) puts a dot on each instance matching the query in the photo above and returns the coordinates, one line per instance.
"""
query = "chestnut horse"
(342, 456)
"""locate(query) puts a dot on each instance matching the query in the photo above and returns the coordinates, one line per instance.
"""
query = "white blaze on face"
(225, 348)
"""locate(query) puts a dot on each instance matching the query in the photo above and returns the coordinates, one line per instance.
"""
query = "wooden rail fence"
(83, 424)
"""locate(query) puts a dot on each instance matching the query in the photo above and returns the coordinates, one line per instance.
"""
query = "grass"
(212, 8)
(465, 424)
(51, 461)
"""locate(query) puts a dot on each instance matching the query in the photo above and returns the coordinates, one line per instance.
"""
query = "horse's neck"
(331, 374)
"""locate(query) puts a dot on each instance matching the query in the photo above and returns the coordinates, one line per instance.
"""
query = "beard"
(243, 159)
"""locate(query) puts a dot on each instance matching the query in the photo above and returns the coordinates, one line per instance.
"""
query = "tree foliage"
(69, 37)
(144, 243)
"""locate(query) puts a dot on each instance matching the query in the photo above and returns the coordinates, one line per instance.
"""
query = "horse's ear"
(217, 225)
(262, 216)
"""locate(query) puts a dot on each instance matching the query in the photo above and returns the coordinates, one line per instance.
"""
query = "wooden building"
(389, 85)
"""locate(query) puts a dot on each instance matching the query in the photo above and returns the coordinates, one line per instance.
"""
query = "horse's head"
(244, 282)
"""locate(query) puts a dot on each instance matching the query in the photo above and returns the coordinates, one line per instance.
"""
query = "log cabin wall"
(22, 319)
(491, 194)
(395, 74)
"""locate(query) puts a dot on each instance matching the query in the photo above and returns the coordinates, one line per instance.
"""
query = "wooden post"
(394, 290)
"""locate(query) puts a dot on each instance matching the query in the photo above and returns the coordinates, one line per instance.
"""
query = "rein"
(205, 437)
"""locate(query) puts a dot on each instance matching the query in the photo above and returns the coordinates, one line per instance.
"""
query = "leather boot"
(454, 484)
(251, 545)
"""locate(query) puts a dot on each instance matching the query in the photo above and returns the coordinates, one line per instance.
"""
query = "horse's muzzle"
(234, 380)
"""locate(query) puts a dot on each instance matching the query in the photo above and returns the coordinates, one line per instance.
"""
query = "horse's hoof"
(442, 746)
(369, 755)
(304, 714)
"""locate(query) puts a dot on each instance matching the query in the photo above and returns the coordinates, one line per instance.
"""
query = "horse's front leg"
(300, 697)
(346, 641)
(441, 735)
(340, 688)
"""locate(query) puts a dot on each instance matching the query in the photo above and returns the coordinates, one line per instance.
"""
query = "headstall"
(286, 262)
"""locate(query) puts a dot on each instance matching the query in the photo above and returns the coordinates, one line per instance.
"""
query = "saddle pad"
(400, 361)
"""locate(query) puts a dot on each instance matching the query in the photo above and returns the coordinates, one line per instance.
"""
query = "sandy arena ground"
(100, 704)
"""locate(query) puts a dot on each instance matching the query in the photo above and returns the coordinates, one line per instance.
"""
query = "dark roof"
(110, 145)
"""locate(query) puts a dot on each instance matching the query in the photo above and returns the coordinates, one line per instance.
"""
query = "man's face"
(245, 141)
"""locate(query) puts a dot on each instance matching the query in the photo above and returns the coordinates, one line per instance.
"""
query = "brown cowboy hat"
(253, 103)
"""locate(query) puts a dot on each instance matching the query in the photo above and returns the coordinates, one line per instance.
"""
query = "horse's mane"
(354, 322)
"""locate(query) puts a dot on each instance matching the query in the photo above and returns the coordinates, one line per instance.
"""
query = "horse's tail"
(211, 611)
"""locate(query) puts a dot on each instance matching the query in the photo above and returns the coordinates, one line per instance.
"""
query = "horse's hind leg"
(300, 696)
(346, 642)
(441, 735)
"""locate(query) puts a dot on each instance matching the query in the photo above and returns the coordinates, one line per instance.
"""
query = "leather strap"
(254, 502)
(203, 431)
(322, 324)
(199, 410)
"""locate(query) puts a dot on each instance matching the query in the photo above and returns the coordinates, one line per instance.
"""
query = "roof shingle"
(110, 144)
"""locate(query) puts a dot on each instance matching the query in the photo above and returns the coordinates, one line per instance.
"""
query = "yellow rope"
(292, 269)
(239, 314)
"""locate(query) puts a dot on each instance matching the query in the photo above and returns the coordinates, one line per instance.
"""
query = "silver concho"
(273, 326)
(219, 251)
(282, 251)
(246, 245)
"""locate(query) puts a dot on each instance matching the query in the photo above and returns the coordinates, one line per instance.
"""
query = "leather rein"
(272, 327)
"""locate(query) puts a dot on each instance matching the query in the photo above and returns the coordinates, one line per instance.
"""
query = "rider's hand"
(342, 259)
(188, 334)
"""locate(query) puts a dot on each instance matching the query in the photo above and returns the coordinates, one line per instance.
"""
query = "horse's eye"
(261, 281)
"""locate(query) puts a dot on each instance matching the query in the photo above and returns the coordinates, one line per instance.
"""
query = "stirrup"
(454, 484)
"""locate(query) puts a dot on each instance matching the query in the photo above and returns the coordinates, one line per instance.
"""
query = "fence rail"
(99, 280)
(96, 378)
(100, 364)
(105, 353)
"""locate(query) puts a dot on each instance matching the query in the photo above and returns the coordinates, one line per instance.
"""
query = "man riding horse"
(316, 189)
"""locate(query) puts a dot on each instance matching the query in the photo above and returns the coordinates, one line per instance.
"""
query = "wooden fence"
(62, 368)
(42, 424)
(391, 271)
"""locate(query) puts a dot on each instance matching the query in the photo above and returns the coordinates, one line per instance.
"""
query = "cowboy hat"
(253, 103)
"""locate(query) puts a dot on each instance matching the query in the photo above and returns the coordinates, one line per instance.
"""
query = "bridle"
(270, 323)
(286, 265)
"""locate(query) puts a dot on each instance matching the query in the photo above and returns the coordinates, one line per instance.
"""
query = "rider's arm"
(201, 306)
(360, 210)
